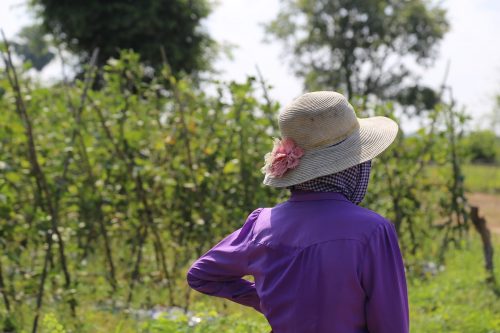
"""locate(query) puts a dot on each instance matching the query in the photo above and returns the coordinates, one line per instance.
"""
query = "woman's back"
(317, 258)
(320, 262)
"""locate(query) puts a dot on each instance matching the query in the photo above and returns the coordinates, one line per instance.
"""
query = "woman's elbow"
(193, 281)
(200, 283)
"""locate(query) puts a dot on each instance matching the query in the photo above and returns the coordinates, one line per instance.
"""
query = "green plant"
(108, 195)
(51, 325)
(482, 146)
(125, 185)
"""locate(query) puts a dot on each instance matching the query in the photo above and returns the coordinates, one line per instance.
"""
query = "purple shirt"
(321, 264)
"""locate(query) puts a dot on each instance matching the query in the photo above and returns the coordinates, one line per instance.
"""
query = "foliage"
(357, 46)
(482, 146)
(107, 196)
(417, 98)
(142, 26)
(136, 186)
(33, 46)
(51, 325)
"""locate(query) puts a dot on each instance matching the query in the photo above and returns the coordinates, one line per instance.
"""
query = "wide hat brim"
(372, 137)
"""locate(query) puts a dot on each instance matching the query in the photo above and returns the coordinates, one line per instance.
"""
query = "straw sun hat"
(321, 135)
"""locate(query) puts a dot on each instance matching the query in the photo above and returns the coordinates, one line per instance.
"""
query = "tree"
(32, 45)
(143, 26)
(481, 146)
(358, 46)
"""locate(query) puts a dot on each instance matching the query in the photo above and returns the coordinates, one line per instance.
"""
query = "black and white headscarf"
(351, 182)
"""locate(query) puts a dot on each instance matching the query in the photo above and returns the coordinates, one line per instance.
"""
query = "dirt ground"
(489, 208)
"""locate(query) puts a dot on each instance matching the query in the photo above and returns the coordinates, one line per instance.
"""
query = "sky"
(472, 47)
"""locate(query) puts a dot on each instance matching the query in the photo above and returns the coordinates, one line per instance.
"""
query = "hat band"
(338, 139)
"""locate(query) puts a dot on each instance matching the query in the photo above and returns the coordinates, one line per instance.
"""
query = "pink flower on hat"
(285, 155)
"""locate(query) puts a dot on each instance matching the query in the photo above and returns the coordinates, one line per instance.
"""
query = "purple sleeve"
(219, 272)
(383, 279)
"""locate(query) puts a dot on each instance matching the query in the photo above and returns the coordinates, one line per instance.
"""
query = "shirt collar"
(301, 195)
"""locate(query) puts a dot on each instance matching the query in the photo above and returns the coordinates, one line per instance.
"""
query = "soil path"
(489, 207)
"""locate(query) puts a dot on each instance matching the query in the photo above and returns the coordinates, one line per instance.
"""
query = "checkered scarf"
(351, 182)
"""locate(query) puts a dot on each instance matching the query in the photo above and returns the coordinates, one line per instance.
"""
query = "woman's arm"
(384, 281)
(219, 272)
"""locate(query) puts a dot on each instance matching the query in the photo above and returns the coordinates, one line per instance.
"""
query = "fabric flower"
(284, 156)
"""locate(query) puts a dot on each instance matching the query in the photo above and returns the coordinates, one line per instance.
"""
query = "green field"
(457, 299)
(482, 178)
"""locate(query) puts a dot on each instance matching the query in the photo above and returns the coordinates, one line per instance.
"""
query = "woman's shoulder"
(370, 222)
(374, 217)
(382, 227)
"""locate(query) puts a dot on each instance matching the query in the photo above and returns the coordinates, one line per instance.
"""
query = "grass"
(482, 178)
(457, 299)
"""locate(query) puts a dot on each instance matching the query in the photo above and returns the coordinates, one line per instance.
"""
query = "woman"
(321, 263)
